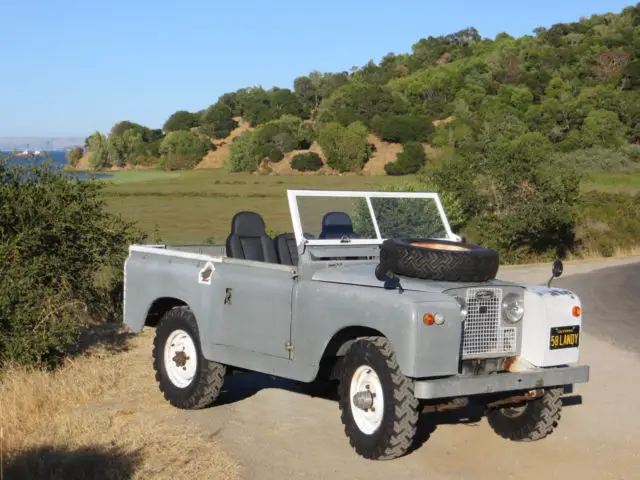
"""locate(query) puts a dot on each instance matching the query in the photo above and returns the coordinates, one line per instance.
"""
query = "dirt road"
(274, 432)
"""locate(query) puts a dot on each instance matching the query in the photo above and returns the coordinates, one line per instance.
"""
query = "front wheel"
(378, 408)
(532, 421)
(185, 377)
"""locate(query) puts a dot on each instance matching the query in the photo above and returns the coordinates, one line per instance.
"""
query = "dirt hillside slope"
(216, 158)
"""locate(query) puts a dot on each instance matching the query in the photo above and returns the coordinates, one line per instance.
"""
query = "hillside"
(576, 84)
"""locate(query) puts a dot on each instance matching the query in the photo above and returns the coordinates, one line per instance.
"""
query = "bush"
(306, 162)
(271, 153)
(410, 160)
(245, 154)
(406, 128)
(345, 148)
(183, 150)
(74, 155)
(61, 252)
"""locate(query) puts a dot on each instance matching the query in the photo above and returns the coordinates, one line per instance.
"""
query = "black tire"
(439, 260)
(533, 421)
(205, 386)
(395, 433)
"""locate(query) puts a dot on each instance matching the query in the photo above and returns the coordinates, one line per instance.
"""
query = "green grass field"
(197, 206)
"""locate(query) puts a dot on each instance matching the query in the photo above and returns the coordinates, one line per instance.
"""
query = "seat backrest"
(286, 248)
(337, 225)
(249, 240)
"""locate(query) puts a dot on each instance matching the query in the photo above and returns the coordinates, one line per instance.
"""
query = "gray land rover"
(371, 291)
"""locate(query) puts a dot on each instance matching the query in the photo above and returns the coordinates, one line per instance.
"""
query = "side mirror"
(556, 271)
(558, 268)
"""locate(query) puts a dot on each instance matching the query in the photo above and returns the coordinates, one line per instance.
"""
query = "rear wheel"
(185, 377)
(529, 422)
(378, 407)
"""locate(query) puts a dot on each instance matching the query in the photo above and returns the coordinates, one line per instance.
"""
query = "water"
(58, 159)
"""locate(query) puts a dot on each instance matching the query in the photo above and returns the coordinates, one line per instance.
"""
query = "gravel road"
(274, 431)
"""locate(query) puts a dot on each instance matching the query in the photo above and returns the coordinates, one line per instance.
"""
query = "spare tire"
(444, 260)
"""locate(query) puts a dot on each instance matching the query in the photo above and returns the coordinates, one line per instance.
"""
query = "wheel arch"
(343, 338)
(339, 344)
(159, 307)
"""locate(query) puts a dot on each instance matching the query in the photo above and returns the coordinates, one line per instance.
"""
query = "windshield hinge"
(289, 348)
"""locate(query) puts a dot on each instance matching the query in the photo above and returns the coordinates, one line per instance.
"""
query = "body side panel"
(251, 308)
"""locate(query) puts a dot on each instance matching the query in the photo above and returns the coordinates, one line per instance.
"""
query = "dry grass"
(100, 416)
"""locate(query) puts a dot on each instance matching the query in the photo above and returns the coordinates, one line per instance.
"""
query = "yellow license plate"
(564, 337)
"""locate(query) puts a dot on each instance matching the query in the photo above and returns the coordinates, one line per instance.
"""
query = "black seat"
(286, 248)
(337, 225)
(249, 240)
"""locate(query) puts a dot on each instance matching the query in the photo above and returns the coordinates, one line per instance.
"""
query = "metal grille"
(482, 331)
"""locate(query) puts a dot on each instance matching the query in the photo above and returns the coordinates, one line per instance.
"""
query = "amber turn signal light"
(576, 311)
(428, 319)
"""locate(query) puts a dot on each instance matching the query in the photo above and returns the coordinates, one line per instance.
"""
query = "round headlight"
(513, 307)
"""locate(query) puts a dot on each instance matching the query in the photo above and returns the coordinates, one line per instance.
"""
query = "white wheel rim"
(365, 379)
(180, 358)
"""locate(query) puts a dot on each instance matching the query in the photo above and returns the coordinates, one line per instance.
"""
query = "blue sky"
(70, 67)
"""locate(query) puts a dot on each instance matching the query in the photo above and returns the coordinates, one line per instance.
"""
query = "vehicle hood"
(364, 275)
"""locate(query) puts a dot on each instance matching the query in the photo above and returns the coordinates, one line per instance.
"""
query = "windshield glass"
(348, 215)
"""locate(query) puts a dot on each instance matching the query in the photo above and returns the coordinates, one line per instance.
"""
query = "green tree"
(97, 145)
(345, 148)
(183, 150)
(181, 120)
(220, 119)
(603, 128)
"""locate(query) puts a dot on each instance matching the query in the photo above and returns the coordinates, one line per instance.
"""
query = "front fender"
(322, 310)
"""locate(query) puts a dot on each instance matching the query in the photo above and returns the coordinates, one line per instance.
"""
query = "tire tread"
(209, 378)
(405, 417)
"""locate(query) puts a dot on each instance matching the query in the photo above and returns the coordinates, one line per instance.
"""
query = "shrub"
(74, 155)
(245, 154)
(406, 128)
(410, 160)
(306, 162)
(345, 148)
(183, 150)
(271, 153)
(61, 252)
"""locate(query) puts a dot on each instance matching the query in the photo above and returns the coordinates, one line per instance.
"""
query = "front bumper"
(459, 385)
